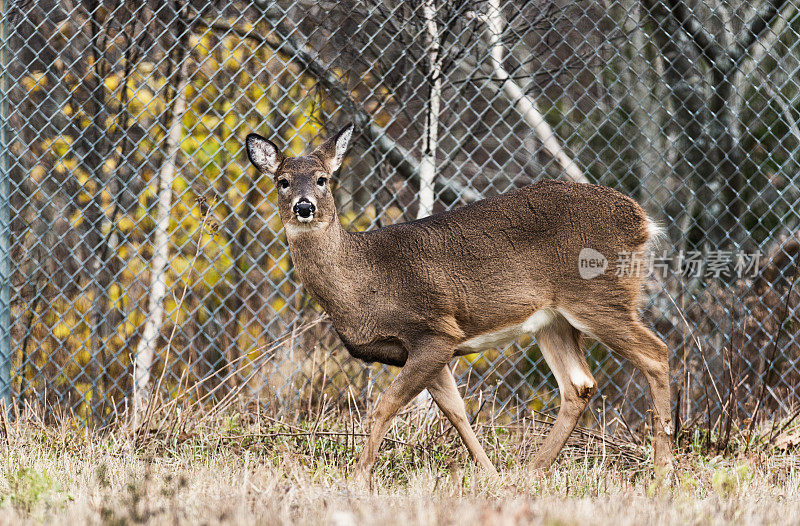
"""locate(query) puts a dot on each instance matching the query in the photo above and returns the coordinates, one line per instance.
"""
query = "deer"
(419, 294)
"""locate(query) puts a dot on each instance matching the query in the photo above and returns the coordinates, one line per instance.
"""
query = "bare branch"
(725, 60)
(286, 45)
(704, 41)
(525, 104)
(762, 19)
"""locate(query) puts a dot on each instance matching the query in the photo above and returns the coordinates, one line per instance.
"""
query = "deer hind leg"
(560, 346)
(445, 393)
(627, 336)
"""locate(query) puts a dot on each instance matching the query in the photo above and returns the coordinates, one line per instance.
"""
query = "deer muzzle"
(304, 210)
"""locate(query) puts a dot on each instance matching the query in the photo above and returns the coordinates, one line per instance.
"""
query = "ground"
(249, 468)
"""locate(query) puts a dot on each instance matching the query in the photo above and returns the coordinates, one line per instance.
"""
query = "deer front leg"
(423, 365)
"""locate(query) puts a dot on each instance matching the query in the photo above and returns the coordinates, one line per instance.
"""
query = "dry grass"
(246, 468)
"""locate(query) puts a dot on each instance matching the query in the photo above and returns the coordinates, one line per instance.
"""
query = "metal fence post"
(5, 217)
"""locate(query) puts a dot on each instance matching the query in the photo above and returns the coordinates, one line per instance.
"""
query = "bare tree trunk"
(524, 104)
(683, 82)
(97, 150)
(427, 164)
(146, 349)
(430, 135)
(103, 266)
(645, 104)
(719, 180)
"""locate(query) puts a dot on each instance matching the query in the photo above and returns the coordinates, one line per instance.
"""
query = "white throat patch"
(293, 230)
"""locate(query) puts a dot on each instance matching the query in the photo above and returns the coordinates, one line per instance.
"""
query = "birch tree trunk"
(524, 104)
(427, 164)
(146, 349)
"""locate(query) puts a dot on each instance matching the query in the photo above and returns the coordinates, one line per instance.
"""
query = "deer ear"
(333, 149)
(262, 153)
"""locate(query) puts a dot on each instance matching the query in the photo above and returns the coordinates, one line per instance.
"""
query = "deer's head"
(305, 201)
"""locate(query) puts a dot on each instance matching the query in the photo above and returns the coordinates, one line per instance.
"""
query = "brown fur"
(411, 293)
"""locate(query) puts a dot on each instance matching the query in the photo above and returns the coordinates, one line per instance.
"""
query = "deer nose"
(304, 208)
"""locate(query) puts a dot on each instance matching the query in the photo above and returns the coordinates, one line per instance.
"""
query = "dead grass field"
(241, 468)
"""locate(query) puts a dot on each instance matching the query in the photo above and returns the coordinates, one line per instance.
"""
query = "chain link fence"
(146, 252)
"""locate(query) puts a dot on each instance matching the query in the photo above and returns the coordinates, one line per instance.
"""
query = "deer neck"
(322, 259)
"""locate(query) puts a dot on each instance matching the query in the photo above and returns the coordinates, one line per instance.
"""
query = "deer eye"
(321, 181)
(283, 183)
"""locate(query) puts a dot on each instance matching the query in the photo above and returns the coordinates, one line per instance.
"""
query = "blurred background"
(147, 257)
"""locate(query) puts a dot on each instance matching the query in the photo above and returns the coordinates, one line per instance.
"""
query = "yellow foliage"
(34, 82)
(76, 219)
(37, 173)
(245, 78)
(170, 307)
(383, 119)
(214, 126)
(535, 405)
(179, 265)
(144, 100)
(82, 303)
(274, 223)
(392, 215)
(179, 184)
(205, 43)
(41, 361)
(358, 221)
(112, 82)
(60, 145)
(115, 297)
(83, 357)
(189, 144)
(231, 121)
(110, 124)
(276, 272)
(61, 330)
(106, 199)
(235, 59)
(211, 277)
(135, 319)
(66, 164)
(210, 64)
(136, 265)
(278, 304)
(125, 224)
